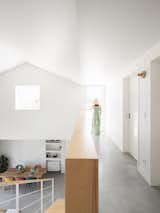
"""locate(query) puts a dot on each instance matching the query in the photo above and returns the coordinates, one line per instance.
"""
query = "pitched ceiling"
(114, 33)
(89, 41)
(41, 32)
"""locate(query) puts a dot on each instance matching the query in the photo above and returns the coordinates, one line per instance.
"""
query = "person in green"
(96, 120)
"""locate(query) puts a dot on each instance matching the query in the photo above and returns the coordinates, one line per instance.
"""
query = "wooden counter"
(81, 179)
(81, 176)
(82, 145)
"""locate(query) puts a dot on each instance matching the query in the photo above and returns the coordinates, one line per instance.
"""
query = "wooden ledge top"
(82, 144)
(57, 207)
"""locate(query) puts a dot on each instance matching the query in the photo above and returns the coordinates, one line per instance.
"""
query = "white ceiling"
(114, 33)
(41, 32)
(89, 41)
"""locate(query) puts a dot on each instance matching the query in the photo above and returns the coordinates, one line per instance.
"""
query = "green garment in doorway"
(96, 121)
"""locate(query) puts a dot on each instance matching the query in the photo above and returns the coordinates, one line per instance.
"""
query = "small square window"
(27, 97)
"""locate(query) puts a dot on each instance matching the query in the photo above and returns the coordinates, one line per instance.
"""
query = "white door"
(133, 116)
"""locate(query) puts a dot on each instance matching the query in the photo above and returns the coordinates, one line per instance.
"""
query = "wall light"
(142, 74)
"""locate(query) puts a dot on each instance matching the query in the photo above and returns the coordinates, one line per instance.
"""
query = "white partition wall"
(155, 122)
(59, 102)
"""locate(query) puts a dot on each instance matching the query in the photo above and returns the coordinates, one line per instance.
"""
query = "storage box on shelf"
(54, 151)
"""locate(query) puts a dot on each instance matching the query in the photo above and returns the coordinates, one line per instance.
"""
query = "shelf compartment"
(54, 151)
(53, 166)
(54, 159)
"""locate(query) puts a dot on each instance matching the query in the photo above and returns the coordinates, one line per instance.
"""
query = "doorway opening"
(96, 92)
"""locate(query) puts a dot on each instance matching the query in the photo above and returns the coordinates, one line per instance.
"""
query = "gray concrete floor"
(122, 189)
(59, 184)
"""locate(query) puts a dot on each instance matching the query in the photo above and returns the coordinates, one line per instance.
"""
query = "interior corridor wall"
(114, 112)
(147, 153)
(155, 122)
(117, 123)
(23, 152)
(60, 102)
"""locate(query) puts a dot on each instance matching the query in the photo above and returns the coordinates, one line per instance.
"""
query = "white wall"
(144, 63)
(23, 152)
(114, 112)
(60, 105)
(155, 122)
(144, 126)
(113, 34)
(147, 156)
(117, 109)
(133, 103)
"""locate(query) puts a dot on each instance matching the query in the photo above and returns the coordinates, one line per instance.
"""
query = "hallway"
(122, 189)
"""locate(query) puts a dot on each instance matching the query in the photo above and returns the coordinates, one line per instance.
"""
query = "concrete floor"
(122, 189)
(59, 184)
